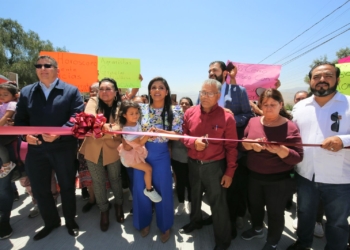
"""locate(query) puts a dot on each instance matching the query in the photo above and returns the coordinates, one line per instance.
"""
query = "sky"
(178, 39)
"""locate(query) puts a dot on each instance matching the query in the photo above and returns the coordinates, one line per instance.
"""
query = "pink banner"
(344, 60)
(256, 76)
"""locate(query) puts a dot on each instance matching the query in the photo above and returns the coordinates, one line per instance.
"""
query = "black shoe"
(296, 246)
(289, 205)
(87, 207)
(46, 231)
(189, 228)
(5, 230)
(15, 196)
(73, 228)
(208, 221)
(85, 193)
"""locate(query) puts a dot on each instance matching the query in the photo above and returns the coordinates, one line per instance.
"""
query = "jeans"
(336, 202)
(6, 191)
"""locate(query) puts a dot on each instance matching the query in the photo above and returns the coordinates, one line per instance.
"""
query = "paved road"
(124, 236)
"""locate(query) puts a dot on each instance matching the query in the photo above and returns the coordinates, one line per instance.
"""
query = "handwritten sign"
(124, 71)
(344, 78)
(344, 60)
(255, 76)
(79, 70)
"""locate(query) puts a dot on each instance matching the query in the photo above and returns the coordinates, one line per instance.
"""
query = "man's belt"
(202, 162)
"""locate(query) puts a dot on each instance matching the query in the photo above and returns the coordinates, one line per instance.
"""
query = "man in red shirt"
(212, 163)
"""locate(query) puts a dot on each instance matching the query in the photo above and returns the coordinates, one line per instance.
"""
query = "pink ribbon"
(89, 125)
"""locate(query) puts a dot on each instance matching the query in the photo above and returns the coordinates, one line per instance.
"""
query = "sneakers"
(318, 231)
(295, 223)
(296, 246)
(188, 207)
(252, 234)
(5, 230)
(240, 223)
(269, 247)
(153, 195)
(35, 212)
(6, 170)
(180, 209)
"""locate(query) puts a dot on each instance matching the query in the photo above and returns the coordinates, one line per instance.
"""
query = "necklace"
(271, 122)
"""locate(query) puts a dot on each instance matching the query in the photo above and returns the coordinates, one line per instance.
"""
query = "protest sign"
(256, 76)
(79, 70)
(125, 71)
(344, 60)
(344, 78)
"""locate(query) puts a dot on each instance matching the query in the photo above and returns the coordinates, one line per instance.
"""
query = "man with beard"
(234, 98)
(324, 173)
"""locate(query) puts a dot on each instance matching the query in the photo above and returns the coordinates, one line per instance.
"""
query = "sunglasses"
(46, 66)
(335, 125)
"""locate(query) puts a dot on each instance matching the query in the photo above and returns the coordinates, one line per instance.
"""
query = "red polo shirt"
(216, 124)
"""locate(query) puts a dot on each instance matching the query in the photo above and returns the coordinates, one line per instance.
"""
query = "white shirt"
(47, 90)
(130, 137)
(315, 123)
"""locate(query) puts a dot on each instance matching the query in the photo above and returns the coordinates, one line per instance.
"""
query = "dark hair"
(337, 70)
(101, 106)
(124, 108)
(52, 60)
(167, 102)
(221, 63)
(10, 88)
(188, 99)
(277, 96)
(301, 91)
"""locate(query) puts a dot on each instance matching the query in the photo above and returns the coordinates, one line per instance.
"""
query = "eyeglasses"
(46, 66)
(335, 125)
(209, 94)
(106, 90)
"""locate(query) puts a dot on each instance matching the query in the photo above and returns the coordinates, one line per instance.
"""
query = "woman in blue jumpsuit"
(165, 118)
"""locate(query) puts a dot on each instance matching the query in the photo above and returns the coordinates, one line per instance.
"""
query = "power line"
(314, 48)
(311, 43)
(305, 31)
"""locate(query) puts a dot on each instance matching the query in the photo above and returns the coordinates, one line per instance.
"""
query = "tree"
(19, 50)
(340, 54)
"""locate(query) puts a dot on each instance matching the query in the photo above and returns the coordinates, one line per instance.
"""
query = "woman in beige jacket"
(102, 152)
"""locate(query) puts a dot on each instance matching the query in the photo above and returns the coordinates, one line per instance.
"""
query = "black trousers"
(273, 194)
(208, 176)
(182, 180)
(39, 163)
(237, 193)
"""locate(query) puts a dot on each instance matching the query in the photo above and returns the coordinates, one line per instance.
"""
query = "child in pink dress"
(129, 115)
(8, 96)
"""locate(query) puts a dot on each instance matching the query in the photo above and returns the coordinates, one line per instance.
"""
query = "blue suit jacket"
(63, 102)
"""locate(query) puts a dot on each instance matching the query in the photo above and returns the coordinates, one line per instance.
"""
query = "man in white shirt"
(324, 173)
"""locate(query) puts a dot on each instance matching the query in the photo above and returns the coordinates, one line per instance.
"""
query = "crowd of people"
(243, 156)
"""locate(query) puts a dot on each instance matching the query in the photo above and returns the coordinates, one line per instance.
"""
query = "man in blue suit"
(50, 103)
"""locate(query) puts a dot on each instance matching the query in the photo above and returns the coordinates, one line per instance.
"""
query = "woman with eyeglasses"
(271, 166)
(179, 164)
(102, 152)
(160, 115)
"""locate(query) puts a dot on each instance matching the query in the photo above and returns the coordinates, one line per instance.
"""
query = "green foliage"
(340, 54)
(288, 106)
(19, 50)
